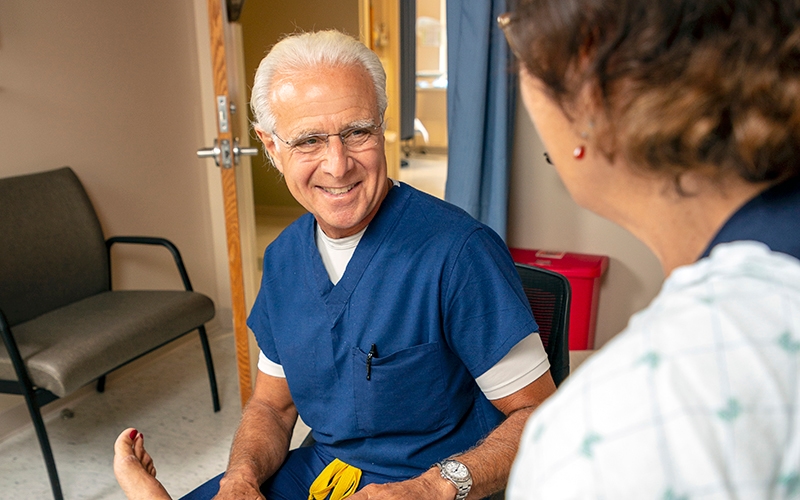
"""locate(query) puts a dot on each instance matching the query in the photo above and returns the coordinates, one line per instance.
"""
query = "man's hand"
(261, 441)
(429, 486)
(238, 489)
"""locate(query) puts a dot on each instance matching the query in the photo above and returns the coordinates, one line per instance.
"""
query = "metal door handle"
(222, 152)
(237, 151)
(210, 152)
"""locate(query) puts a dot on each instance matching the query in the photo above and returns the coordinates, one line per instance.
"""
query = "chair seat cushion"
(70, 347)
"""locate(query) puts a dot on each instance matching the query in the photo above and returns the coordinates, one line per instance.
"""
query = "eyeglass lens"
(354, 139)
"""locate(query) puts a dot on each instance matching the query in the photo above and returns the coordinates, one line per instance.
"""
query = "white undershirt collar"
(337, 252)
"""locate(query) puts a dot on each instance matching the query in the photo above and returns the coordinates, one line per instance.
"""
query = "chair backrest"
(52, 250)
(549, 295)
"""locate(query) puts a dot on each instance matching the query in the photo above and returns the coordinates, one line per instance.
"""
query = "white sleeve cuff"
(524, 363)
(269, 367)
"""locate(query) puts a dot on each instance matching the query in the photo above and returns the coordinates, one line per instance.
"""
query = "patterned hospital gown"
(699, 398)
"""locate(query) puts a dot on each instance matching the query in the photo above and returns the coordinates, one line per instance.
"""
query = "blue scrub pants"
(292, 480)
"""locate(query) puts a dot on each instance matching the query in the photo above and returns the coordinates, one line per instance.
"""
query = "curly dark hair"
(678, 85)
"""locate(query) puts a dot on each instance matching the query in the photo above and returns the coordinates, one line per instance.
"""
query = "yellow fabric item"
(338, 478)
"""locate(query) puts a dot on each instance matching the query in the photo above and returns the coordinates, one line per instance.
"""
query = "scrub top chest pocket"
(399, 392)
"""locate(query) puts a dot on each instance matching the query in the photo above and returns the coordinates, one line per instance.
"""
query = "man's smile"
(338, 190)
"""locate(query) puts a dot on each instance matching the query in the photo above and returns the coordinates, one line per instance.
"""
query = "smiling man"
(341, 182)
(392, 322)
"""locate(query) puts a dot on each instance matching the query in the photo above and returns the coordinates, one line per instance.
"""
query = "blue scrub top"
(772, 217)
(435, 292)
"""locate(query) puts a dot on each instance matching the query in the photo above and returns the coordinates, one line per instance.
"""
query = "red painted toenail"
(134, 433)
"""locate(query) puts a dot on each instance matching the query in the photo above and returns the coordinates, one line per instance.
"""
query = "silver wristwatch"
(458, 474)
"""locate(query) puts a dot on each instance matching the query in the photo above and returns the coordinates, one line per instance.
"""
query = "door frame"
(379, 22)
(233, 287)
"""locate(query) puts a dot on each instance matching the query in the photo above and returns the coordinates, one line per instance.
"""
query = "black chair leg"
(101, 384)
(212, 378)
(44, 442)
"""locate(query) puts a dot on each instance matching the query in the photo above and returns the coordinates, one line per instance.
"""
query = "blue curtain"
(481, 99)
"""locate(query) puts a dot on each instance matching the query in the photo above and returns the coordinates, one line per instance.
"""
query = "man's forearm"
(259, 446)
(490, 461)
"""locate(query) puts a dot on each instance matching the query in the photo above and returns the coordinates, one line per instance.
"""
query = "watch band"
(458, 474)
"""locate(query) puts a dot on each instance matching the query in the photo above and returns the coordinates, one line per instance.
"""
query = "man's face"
(342, 188)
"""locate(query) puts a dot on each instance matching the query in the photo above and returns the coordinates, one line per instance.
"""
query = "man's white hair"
(304, 51)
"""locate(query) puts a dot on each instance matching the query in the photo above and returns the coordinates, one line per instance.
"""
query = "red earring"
(579, 152)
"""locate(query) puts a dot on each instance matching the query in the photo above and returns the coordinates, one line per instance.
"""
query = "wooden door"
(380, 31)
(230, 106)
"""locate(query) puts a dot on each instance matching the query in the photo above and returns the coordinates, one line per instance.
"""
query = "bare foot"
(134, 468)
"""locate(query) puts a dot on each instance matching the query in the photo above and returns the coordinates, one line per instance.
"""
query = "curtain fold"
(481, 102)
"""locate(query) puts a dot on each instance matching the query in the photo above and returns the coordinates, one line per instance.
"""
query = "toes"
(138, 447)
(129, 448)
(125, 441)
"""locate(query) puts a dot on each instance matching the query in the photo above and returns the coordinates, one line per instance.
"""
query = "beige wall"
(113, 89)
(263, 23)
(543, 216)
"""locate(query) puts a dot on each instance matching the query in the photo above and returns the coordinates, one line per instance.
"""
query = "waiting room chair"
(62, 325)
(548, 294)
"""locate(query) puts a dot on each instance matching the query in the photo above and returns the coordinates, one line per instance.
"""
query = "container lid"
(571, 265)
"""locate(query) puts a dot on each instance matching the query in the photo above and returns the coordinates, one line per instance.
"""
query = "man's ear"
(270, 147)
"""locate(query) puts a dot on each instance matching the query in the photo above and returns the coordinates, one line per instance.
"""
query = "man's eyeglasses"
(355, 139)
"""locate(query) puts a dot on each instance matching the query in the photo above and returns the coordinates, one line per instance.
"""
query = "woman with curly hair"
(680, 121)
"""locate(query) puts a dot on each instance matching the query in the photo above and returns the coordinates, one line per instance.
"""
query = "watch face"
(456, 469)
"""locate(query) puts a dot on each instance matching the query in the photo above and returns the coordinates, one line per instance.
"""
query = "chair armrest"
(147, 240)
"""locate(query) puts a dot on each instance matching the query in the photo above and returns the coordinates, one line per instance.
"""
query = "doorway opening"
(424, 163)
